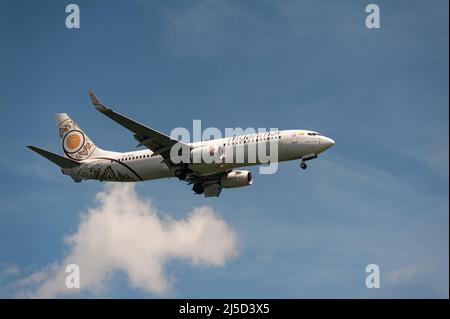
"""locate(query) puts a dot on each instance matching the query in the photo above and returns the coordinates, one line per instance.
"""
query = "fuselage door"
(294, 138)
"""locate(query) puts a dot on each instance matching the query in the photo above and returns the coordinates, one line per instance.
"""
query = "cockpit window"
(313, 134)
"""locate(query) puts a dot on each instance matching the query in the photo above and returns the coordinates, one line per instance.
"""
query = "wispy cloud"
(126, 233)
(403, 274)
(7, 270)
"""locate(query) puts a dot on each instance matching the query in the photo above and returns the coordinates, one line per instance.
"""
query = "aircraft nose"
(326, 142)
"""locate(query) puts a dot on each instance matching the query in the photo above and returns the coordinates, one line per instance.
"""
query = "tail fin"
(76, 144)
(61, 161)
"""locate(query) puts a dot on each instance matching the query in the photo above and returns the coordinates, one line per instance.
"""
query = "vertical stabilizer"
(75, 143)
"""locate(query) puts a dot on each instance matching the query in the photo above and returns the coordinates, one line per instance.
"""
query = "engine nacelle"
(236, 179)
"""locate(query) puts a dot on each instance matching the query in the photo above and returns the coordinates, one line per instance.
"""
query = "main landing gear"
(198, 188)
(182, 172)
(303, 165)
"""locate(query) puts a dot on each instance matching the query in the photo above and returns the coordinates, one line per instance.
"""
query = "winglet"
(96, 102)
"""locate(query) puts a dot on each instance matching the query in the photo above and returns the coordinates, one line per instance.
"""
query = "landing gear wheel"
(181, 174)
(197, 188)
(303, 165)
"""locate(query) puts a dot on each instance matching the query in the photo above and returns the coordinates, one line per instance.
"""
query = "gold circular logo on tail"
(73, 141)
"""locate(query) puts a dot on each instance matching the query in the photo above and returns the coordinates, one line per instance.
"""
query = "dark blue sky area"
(380, 195)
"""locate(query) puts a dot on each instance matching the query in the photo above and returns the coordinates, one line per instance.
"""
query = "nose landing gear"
(307, 158)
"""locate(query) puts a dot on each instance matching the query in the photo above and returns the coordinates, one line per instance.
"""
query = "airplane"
(83, 160)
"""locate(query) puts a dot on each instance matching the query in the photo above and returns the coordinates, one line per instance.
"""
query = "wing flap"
(212, 190)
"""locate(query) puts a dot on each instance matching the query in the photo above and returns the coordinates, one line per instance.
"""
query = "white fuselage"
(141, 165)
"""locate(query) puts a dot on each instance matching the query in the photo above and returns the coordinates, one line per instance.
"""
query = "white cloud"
(126, 233)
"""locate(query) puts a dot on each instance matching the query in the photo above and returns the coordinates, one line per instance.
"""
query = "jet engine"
(236, 179)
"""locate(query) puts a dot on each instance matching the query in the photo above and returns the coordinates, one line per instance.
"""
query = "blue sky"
(380, 195)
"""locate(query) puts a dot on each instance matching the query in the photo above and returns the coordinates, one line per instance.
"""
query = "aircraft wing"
(154, 140)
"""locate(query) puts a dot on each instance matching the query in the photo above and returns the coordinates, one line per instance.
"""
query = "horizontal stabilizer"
(61, 161)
